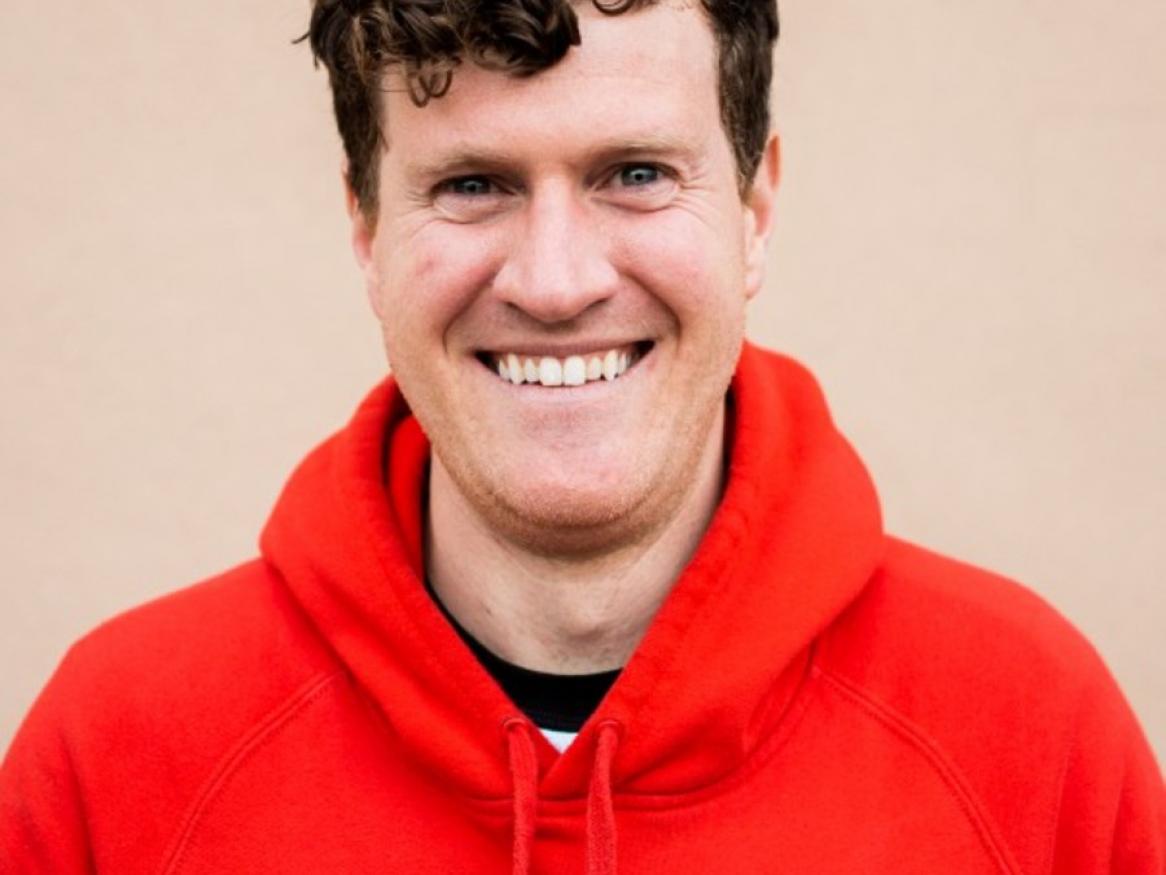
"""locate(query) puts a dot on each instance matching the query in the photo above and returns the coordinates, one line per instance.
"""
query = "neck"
(565, 615)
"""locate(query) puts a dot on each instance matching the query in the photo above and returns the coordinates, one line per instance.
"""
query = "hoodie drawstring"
(600, 807)
(524, 774)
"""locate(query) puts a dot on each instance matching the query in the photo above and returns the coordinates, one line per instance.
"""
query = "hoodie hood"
(795, 539)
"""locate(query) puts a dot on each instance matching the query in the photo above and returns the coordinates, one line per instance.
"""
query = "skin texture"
(592, 205)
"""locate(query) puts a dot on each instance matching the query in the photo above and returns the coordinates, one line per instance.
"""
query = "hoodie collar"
(796, 537)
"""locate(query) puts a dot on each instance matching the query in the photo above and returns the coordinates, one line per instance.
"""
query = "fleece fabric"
(813, 696)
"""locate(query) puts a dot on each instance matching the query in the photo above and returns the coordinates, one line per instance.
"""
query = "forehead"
(636, 74)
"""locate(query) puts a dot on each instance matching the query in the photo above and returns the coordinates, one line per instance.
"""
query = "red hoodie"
(813, 696)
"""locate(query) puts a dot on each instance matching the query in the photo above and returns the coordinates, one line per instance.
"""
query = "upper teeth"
(574, 370)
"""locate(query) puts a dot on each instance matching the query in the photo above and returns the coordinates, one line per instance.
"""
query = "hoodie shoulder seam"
(940, 763)
(230, 763)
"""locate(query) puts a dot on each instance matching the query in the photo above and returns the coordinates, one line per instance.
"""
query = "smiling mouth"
(579, 369)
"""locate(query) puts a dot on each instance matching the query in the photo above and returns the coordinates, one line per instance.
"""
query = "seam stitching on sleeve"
(1055, 829)
(947, 771)
(235, 757)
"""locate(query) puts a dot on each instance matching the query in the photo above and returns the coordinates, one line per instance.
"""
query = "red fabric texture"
(814, 696)
(524, 771)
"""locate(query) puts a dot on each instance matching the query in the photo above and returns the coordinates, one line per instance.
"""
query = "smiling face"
(560, 265)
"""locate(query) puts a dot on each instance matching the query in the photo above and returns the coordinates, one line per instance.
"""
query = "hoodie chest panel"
(332, 794)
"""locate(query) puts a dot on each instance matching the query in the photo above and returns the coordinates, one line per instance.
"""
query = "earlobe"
(759, 214)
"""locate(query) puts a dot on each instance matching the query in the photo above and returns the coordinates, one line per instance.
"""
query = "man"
(590, 584)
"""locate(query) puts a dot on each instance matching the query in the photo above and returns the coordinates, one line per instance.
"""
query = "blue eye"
(470, 186)
(639, 174)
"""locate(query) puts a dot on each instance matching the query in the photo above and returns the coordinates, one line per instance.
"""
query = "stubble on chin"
(556, 521)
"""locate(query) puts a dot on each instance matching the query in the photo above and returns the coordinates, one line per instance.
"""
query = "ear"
(362, 237)
(759, 210)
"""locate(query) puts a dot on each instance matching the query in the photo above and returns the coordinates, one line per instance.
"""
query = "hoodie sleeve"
(42, 813)
(1113, 801)
(1140, 836)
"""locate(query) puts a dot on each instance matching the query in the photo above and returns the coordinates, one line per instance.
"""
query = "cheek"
(430, 277)
(693, 266)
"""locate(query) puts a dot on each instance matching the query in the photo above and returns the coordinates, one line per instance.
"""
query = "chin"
(560, 518)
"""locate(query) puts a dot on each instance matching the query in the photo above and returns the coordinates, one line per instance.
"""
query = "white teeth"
(574, 370)
(550, 371)
(611, 365)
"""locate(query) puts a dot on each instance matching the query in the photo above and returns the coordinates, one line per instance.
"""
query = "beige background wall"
(971, 255)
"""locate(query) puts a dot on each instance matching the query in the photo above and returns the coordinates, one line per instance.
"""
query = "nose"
(558, 263)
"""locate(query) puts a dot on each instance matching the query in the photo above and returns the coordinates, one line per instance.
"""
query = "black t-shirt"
(559, 702)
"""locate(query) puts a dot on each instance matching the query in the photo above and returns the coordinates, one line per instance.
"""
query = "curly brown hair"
(357, 40)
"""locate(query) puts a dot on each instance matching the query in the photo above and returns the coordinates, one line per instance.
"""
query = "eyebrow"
(465, 159)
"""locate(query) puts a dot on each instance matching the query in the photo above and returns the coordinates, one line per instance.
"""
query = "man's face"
(583, 224)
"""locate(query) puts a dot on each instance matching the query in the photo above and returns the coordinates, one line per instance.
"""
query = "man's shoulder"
(928, 622)
(187, 673)
(993, 689)
(151, 705)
